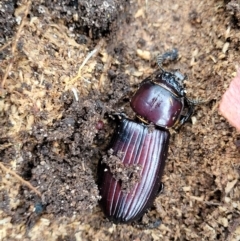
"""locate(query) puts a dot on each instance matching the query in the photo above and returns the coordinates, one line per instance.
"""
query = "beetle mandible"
(159, 102)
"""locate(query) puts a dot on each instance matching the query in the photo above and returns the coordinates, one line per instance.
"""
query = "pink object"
(230, 103)
(99, 125)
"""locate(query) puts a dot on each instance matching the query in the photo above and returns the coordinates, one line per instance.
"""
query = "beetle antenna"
(169, 55)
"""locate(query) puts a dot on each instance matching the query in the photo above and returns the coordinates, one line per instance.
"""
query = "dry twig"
(14, 44)
(5, 46)
(26, 183)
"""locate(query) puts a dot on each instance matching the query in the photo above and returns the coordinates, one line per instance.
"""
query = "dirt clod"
(129, 175)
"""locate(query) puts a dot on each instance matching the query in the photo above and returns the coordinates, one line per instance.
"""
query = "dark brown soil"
(8, 21)
(96, 18)
(71, 66)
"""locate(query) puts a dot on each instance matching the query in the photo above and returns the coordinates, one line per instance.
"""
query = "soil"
(66, 67)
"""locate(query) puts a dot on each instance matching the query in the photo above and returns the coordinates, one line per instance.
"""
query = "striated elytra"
(141, 147)
(159, 103)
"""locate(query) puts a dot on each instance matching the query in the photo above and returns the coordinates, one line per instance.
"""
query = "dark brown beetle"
(160, 101)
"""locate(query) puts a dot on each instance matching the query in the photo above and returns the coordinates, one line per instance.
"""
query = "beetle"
(160, 103)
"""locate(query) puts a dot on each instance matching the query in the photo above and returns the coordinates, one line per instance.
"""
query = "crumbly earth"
(94, 17)
(8, 21)
(60, 85)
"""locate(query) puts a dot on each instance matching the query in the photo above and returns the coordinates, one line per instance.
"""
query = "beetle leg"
(152, 224)
(197, 102)
(119, 115)
(161, 188)
(190, 105)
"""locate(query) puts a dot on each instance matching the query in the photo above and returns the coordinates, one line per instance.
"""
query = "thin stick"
(5, 46)
(90, 55)
(14, 45)
(26, 183)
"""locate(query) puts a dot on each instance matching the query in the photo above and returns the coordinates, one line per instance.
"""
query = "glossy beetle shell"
(161, 101)
(156, 103)
(142, 146)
